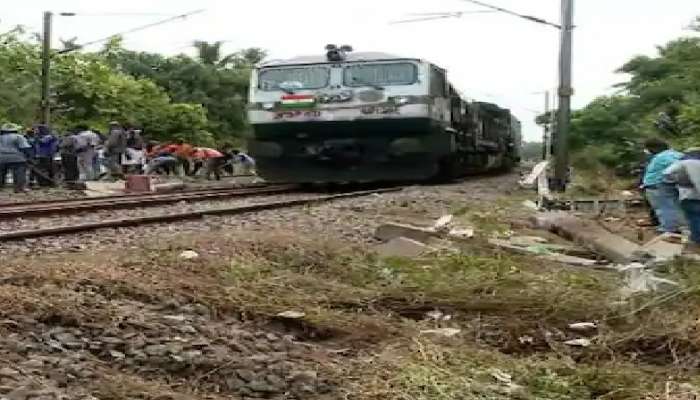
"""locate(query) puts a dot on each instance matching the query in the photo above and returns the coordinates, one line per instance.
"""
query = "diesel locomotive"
(362, 117)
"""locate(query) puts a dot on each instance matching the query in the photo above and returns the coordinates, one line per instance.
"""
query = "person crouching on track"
(14, 149)
(163, 162)
(247, 162)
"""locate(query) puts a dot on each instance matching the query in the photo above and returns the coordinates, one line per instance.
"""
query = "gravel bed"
(352, 220)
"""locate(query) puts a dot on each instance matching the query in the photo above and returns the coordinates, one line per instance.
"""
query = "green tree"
(87, 89)
(660, 98)
(219, 84)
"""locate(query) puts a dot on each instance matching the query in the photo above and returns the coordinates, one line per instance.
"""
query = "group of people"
(182, 158)
(83, 154)
(671, 182)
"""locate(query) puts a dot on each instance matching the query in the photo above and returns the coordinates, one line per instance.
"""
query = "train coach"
(365, 117)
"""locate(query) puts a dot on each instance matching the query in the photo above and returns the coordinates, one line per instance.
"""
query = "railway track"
(72, 206)
(192, 215)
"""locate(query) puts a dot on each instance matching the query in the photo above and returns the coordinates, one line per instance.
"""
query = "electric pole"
(565, 91)
(46, 70)
(546, 125)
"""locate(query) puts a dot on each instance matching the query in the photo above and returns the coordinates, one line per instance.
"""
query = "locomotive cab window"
(297, 78)
(437, 82)
(380, 74)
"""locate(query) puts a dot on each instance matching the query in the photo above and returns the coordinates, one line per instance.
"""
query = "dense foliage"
(661, 98)
(531, 151)
(200, 100)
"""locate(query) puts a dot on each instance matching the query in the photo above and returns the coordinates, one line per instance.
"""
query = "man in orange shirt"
(183, 151)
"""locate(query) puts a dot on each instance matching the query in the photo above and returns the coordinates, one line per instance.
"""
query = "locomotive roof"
(321, 59)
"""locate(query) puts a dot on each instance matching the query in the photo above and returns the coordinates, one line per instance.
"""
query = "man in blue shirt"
(45, 149)
(662, 195)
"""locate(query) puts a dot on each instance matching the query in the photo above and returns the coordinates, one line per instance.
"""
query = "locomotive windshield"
(380, 74)
(297, 78)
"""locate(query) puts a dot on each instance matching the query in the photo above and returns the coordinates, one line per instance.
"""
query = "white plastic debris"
(443, 223)
(291, 314)
(526, 339)
(435, 314)
(639, 278)
(583, 326)
(501, 376)
(582, 342)
(175, 318)
(461, 233)
(530, 205)
(438, 315)
(189, 255)
(446, 332)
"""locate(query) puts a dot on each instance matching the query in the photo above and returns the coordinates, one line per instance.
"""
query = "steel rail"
(166, 218)
(124, 196)
(133, 201)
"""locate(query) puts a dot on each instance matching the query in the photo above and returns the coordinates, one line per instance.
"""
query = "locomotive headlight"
(401, 100)
(268, 106)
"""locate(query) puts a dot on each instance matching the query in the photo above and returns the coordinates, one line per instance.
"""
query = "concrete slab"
(98, 188)
(591, 235)
(390, 231)
(402, 247)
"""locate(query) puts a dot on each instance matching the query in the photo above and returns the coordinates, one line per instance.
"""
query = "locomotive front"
(343, 117)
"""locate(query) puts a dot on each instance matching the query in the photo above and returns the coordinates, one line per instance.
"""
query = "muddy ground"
(294, 304)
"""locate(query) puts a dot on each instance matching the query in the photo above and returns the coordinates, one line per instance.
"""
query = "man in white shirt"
(88, 142)
(686, 175)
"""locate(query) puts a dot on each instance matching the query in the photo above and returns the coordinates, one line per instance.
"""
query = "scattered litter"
(582, 342)
(612, 219)
(189, 255)
(291, 314)
(501, 376)
(627, 193)
(583, 326)
(443, 223)
(446, 332)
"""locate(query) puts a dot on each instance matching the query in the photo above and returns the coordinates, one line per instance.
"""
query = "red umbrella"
(206, 153)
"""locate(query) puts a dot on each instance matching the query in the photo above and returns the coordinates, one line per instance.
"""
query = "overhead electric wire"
(136, 29)
(115, 14)
(439, 15)
(513, 13)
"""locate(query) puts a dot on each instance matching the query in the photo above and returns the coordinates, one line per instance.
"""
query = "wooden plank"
(561, 258)
(536, 172)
